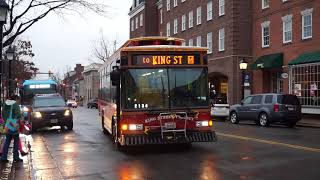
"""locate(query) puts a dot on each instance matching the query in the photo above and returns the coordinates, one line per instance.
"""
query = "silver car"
(268, 108)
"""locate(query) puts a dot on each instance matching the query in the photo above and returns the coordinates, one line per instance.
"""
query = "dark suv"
(48, 111)
(268, 108)
(93, 104)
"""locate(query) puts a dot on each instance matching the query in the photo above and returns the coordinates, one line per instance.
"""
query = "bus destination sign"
(154, 60)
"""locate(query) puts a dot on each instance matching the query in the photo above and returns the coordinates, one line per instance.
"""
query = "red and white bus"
(155, 91)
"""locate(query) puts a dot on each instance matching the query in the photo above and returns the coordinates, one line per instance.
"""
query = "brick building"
(143, 18)
(91, 81)
(223, 26)
(285, 45)
(69, 89)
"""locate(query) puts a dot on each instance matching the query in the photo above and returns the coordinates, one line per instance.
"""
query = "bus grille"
(151, 139)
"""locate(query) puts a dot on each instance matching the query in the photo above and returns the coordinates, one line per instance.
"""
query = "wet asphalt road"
(243, 151)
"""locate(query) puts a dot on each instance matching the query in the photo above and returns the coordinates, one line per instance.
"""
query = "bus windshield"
(165, 88)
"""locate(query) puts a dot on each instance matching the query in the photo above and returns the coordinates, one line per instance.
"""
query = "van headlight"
(37, 115)
(25, 109)
(67, 112)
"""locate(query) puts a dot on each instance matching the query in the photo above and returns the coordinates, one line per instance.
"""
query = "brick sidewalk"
(16, 171)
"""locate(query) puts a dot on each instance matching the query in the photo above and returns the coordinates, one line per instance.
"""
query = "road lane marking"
(270, 142)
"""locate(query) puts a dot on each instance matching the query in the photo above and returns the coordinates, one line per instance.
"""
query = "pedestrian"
(11, 114)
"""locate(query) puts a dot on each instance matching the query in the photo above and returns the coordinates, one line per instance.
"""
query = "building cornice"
(137, 10)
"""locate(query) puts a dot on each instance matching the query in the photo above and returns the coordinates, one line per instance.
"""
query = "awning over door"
(310, 57)
(268, 62)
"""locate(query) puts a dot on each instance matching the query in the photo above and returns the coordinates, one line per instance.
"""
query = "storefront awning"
(310, 57)
(268, 61)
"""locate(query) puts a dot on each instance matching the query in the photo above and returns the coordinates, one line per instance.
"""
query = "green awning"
(268, 61)
(310, 57)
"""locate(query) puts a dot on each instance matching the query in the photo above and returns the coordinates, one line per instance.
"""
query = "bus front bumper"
(143, 139)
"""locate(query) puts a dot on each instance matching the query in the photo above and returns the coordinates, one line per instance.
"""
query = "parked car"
(72, 103)
(48, 111)
(93, 104)
(220, 107)
(268, 108)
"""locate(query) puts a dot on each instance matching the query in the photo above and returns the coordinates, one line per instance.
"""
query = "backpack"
(12, 125)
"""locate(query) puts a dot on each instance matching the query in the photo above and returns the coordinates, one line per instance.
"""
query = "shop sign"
(284, 75)
(313, 88)
(297, 89)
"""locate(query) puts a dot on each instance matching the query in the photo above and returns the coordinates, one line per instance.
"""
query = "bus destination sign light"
(154, 60)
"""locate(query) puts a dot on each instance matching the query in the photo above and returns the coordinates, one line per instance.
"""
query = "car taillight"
(276, 108)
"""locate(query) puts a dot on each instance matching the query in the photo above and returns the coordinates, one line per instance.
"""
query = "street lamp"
(4, 8)
(10, 56)
(243, 65)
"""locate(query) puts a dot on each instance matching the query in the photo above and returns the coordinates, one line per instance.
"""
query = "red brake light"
(276, 108)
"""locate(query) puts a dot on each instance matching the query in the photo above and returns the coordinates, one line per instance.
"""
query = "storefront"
(304, 81)
(267, 71)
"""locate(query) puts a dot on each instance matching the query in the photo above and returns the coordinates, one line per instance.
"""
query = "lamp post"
(10, 56)
(243, 65)
(4, 7)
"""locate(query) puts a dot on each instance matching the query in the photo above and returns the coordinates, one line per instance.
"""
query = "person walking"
(11, 114)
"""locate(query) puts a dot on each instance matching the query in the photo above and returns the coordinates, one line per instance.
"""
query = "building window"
(137, 22)
(175, 26)
(168, 29)
(209, 11)
(161, 16)
(199, 41)
(287, 28)
(190, 19)
(132, 25)
(190, 42)
(161, 33)
(305, 84)
(183, 23)
(175, 3)
(307, 23)
(221, 39)
(265, 27)
(168, 5)
(221, 7)
(265, 4)
(141, 19)
(183, 43)
(199, 15)
(209, 43)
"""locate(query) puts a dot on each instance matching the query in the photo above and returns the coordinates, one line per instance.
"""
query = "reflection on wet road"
(86, 153)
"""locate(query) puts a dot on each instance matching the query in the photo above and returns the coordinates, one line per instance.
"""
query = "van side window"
(256, 99)
(268, 99)
(247, 100)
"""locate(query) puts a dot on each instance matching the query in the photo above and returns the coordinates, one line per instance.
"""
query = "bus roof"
(164, 48)
(32, 82)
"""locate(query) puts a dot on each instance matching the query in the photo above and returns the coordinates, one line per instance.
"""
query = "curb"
(308, 125)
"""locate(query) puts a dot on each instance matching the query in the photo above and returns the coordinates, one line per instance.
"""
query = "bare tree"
(25, 13)
(103, 48)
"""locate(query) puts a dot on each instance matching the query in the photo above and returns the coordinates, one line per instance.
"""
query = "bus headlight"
(135, 127)
(204, 123)
(37, 115)
(67, 112)
(132, 127)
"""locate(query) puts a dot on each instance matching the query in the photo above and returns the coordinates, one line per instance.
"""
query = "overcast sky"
(58, 43)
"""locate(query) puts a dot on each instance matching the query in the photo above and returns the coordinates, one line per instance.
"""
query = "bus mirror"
(115, 77)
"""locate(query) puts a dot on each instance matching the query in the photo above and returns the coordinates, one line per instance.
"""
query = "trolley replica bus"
(155, 91)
